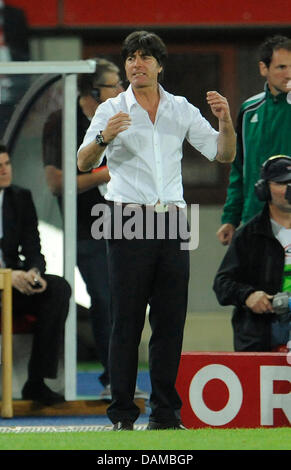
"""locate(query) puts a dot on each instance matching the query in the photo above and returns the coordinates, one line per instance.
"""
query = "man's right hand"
(88, 156)
(116, 124)
(225, 233)
(23, 281)
(259, 302)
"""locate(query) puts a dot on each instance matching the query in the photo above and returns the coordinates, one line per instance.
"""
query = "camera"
(37, 284)
(288, 193)
(282, 305)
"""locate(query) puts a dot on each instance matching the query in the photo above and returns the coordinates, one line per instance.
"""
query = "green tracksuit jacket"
(263, 130)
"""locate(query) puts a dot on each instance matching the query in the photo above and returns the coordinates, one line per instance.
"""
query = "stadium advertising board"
(235, 390)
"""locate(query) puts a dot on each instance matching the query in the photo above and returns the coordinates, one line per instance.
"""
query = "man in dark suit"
(43, 296)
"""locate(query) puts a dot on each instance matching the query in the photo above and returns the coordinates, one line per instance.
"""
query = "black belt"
(158, 208)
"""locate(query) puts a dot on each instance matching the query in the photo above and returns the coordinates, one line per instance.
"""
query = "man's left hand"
(35, 279)
(219, 105)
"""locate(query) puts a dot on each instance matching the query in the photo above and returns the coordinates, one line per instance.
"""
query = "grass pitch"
(200, 439)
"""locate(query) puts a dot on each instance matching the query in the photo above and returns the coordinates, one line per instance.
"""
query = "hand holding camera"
(279, 304)
(37, 284)
(282, 305)
(28, 282)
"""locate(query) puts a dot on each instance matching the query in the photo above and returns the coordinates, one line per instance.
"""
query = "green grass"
(200, 439)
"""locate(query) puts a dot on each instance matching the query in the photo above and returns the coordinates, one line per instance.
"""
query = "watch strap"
(100, 140)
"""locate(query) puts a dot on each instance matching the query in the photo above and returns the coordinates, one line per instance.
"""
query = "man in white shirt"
(143, 130)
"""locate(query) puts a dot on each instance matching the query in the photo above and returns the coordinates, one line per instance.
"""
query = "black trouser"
(92, 263)
(50, 309)
(141, 272)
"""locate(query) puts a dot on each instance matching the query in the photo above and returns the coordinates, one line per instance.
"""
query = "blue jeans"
(280, 332)
(92, 264)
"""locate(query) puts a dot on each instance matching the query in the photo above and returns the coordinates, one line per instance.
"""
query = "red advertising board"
(235, 390)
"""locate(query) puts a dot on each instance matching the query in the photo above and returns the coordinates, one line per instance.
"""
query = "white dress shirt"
(145, 160)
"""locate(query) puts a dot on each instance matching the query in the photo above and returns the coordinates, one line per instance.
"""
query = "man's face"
(278, 74)
(142, 70)
(111, 86)
(278, 191)
(5, 171)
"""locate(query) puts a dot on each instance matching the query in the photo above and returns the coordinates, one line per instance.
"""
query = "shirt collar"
(129, 97)
(131, 100)
(280, 97)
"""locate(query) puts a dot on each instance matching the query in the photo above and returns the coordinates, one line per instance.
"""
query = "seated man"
(42, 295)
(257, 265)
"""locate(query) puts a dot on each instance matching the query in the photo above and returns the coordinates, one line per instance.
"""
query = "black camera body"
(37, 284)
(282, 305)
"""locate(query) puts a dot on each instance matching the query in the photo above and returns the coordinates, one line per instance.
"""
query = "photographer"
(257, 265)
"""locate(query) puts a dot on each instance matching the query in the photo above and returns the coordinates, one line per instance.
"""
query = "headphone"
(95, 93)
(262, 188)
(86, 80)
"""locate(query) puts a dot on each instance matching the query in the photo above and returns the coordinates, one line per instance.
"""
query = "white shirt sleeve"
(201, 134)
(97, 124)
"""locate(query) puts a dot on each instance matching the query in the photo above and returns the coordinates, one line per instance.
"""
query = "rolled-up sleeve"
(201, 134)
(98, 124)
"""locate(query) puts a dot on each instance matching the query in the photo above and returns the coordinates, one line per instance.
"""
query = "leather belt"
(159, 207)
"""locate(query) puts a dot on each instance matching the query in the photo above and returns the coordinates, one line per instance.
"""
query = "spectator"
(12, 47)
(257, 264)
(41, 295)
(263, 129)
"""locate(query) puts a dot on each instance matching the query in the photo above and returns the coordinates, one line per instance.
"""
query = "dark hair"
(87, 81)
(148, 43)
(272, 44)
(3, 148)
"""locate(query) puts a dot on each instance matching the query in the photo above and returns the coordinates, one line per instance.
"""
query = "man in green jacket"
(263, 129)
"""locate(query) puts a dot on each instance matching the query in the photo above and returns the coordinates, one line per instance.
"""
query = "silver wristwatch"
(100, 140)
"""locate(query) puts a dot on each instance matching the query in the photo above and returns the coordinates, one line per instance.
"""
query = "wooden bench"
(9, 326)
(6, 342)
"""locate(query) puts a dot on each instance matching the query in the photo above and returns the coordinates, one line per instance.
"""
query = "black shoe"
(155, 426)
(123, 426)
(41, 393)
